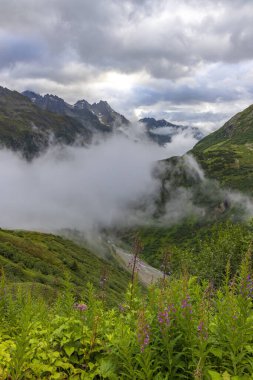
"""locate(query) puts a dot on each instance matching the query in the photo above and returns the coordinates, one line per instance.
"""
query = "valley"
(126, 190)
(72, 296)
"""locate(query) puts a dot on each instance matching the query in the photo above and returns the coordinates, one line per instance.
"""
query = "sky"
(188, 61)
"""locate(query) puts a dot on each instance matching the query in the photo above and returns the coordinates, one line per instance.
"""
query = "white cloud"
(134, 54)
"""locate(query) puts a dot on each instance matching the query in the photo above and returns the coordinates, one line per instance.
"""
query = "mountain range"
(162, 131)
(97, 116)
(30, 123)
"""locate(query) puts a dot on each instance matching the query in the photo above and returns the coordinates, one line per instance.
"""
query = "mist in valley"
(111, 183)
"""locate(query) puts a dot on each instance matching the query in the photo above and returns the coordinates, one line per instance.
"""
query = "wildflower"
(202, 331)
(165, 316)
(250, 286)
(143, 337)
(186, 302)
(247, 287)
(143, 331)
(200, 326)
(186, 306)
(80, 306)
(122, 308)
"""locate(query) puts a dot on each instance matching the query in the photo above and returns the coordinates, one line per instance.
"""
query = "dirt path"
(147, 274)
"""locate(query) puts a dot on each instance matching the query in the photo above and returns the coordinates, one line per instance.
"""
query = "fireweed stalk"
(165, 265)
(165, 317)
(134, 264)
(143, 331)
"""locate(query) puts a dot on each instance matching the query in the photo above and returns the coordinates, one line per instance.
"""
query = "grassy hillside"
(227, 154)
(28, 129)
(49, 261)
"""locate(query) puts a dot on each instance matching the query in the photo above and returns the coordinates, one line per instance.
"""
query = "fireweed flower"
(186, 302)
(143, 332)
(123, 308)
(80, 306)
(200, 326)
(202, 330)
(186, 306)
(249, 286)
(165, 317)
(144, 337)
(246, 287)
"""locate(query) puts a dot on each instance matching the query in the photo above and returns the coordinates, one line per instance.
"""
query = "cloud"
(84, 188)
(14, 48)
(167, 39)
(114, 183)
(181, 143)
(75, 187)
(188, 52)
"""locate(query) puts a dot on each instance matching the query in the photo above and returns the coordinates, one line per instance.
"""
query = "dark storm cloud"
(15, 49)
(68, 45)
(130, 35)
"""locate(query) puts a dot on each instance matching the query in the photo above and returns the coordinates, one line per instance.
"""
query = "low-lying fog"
(81, 188)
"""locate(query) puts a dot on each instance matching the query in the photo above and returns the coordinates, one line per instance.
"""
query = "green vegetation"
(182, 329)
(44, 262)
(227, 154)
(203, 249)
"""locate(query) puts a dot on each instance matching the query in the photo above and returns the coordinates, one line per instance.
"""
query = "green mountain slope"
(47, 260)
(26, 128)
(227, 154)
(227, 159)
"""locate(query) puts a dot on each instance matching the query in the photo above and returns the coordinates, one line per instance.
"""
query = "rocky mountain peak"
(82, 104)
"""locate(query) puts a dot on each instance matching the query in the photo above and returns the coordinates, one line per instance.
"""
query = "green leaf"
(214, 375)
(226, 376)
(106, 369)
(216, 352)
(69, 350)
(91, 365)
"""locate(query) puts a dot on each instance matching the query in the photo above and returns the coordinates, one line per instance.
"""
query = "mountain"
(98, 117)
(162, 131)
(226, 162)
(107, 115)
(227, 154)
(50, 103)
(46, 260)
(191, 202)
(29, 122)
(28, 129)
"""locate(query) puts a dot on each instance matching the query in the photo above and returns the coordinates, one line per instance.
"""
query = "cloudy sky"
(189, 61)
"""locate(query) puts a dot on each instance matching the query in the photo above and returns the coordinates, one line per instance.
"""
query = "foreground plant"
(180, 329)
